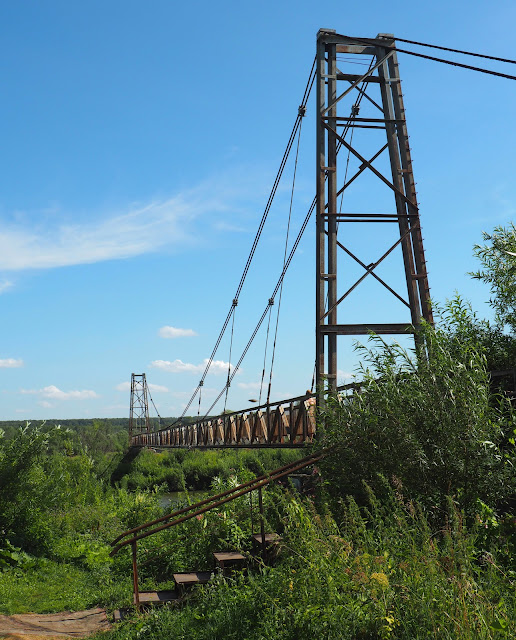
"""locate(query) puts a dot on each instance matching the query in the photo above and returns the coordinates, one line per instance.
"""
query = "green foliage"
(25, 489)
(180, 469)
(11, 556)
(498, 348)
(380, 574)
(424, 420)
(499, 272)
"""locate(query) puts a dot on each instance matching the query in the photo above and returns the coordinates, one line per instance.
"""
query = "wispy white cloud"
(11, 363)
(155, 388)
(5, 285)
(46, 404)
(54, 393)
(139, 231)
(174, 332)
(178, 366)
(122, 234)
(344, 376)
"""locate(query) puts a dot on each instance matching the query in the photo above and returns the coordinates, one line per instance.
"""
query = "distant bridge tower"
(374, 105)
(139, 411)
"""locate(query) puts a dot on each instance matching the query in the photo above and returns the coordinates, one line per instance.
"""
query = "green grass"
(379, 574)
(374, 572)
(48, 586)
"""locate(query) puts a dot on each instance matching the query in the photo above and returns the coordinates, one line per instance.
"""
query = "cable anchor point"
(301, 111)
(271, 302)
(235, 302)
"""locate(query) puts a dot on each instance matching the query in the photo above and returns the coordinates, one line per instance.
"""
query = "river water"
(177, 499)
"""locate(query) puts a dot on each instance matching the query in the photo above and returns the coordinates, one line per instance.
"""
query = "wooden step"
(121, 614)
(229, 558)
(270, 538)
(156, 597)
(193, 577)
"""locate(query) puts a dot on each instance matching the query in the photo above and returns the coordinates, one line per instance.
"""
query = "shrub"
(424, 419)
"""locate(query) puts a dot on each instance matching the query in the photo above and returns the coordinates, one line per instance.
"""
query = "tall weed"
(425, 418)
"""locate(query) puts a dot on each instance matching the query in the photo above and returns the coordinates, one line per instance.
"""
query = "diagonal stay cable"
(299, 117)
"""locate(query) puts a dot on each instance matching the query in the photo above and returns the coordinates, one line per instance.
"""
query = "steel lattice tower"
(377, 92)
(139, 409)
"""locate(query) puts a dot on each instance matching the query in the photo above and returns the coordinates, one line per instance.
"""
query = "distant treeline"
(117, 424)
(92, 435)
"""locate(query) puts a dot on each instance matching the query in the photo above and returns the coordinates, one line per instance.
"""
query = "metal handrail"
(210, 499)
(220, 498)
(254, 409)
(206, 505)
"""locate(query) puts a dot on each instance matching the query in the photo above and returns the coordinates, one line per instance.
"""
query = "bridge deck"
(289, 423)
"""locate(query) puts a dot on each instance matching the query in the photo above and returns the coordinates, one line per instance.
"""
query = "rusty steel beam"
(364, 329)
(380, 85)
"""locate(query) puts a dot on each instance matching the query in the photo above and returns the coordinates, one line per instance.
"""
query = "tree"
(498, 259)
(425, 422)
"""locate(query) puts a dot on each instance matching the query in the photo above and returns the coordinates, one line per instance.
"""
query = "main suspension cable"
(155, 408)
(374, 42)
(466, 53)
(455, 64)
(300, 114)
(271, 302)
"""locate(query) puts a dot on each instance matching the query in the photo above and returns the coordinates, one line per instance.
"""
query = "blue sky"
(139, 144)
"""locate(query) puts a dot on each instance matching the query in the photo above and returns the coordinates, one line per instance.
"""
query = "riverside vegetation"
(410, 532)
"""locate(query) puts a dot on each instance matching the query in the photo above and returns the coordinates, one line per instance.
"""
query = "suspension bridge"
(346, 103)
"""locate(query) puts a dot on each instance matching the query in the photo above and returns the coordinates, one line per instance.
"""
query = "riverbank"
(174, 470)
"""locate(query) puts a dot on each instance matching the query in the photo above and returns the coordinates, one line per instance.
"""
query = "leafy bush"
(423, 419)
(497, 258)
(180, 469)
(380, 574)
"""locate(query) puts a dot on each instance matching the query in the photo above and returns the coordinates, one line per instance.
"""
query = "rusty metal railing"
(133, 536)
(287, 423)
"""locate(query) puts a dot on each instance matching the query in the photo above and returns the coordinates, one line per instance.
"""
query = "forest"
(406, 529)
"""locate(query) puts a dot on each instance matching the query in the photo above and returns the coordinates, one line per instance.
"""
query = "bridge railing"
(287, 423)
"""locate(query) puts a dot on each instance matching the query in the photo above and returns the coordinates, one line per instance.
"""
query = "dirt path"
(34, 626)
